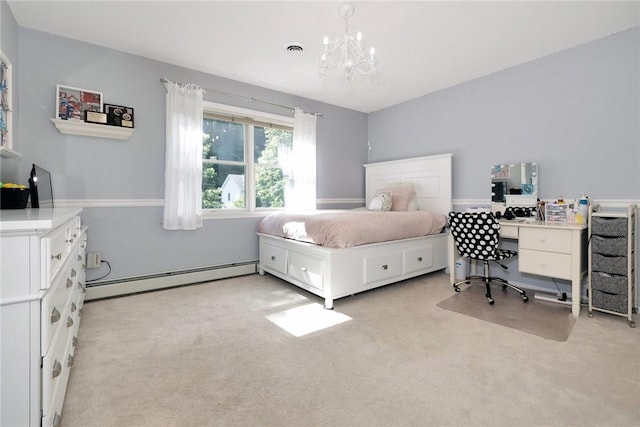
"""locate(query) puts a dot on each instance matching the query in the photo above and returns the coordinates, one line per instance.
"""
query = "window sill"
(207, 215)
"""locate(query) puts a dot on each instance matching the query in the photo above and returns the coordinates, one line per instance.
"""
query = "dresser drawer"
(306, 268)
(417, 259)
(550, 240)
(55, 373)
(545, 263)
(274, 257)
(55, 248)
(54, 309)
(382, 267)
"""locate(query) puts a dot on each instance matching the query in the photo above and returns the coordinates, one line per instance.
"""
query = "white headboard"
(431, 176)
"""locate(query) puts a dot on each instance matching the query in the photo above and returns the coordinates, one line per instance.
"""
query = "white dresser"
(42, 289)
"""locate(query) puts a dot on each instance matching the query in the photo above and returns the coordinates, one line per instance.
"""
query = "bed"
(336, 272)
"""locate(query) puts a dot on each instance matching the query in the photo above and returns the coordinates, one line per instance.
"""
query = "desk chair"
(476, 236)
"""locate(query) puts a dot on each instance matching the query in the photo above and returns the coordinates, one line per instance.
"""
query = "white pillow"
(381, 202)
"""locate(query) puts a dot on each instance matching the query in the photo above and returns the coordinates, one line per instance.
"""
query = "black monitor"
(41, 188)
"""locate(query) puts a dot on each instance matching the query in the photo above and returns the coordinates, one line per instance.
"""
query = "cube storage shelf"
(613, 250)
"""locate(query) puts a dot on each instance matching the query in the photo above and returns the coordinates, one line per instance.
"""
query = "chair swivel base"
(488, 281)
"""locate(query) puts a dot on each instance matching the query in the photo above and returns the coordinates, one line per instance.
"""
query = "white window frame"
(250, 211)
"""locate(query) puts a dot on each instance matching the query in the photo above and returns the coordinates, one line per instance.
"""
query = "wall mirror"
(515, 184)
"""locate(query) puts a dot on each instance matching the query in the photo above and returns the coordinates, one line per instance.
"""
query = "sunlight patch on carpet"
(303, 320)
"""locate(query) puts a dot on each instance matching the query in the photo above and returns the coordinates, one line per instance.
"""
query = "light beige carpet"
(544, 319)
(217, 354)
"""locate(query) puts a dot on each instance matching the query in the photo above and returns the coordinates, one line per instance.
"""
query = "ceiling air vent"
(294, 47)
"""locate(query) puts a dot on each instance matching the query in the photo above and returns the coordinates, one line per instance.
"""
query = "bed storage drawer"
(377, 268)
(417, 259)
(274, 257)
(306, 268)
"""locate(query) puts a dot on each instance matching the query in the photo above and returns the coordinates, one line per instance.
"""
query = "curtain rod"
(165, 80)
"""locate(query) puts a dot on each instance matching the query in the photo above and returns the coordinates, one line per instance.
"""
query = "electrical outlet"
(94, 259)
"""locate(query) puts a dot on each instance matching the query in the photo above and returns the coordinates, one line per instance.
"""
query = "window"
(243, 157)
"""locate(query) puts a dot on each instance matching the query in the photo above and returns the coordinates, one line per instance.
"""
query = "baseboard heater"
(132, 285)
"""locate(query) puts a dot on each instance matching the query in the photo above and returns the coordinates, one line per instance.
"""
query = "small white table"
(545, 249)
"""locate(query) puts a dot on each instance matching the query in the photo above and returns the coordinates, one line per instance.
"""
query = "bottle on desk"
(582, 209)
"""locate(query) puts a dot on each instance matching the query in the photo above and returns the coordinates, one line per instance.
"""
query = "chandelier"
(347, 54)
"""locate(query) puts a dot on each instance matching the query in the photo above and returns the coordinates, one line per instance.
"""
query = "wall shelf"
(9, 153)
(70, 127)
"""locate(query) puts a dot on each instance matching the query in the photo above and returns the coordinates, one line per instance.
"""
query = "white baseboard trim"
(119, 287)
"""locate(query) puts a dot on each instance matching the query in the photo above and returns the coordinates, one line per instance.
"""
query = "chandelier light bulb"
(346, 55)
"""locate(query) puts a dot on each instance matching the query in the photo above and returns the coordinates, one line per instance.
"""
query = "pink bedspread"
(343, 229)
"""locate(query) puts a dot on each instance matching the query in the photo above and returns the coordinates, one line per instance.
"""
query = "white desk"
(545, 249)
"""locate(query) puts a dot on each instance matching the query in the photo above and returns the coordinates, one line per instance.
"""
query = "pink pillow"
(402, 193)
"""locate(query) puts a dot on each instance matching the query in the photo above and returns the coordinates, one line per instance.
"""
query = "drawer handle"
(303, 269)
(69, 240)
(57, 369)
(74, 307)
(385, 267)
(273, 257)
(69, 282)
(58, 257)
(55, 315)
(73, 272)
(69, 361)
(74, 341)
(419, 259)
(56, 420)
(69, 322)
(79, 258)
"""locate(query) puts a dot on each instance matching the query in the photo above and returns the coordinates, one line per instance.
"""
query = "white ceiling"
(422, 46)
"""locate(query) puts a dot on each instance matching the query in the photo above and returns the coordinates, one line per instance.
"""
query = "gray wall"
(9, 169)
(576, 113)
(85, 168)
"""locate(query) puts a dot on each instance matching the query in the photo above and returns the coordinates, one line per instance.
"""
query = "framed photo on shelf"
(118, 115)
(73, 102)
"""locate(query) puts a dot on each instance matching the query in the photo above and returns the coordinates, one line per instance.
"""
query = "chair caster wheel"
(632, 324)
(525, 298)
(590, 314)
(491, 301)
(456, 288)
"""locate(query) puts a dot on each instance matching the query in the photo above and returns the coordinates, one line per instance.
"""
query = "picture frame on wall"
(72, 103)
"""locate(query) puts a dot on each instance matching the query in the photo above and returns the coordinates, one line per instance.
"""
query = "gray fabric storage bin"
(609, 245)
(612, 302)
(613, 284)
(609, 264)
(607, 226)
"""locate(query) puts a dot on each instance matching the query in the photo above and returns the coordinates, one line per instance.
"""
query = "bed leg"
(260, 271)
(328, 303)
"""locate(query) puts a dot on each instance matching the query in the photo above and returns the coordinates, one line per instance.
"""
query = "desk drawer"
(547, 264)
(552, 240)
(508, 231)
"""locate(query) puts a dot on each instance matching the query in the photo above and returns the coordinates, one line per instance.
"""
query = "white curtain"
(183, 158)
(300, 164)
